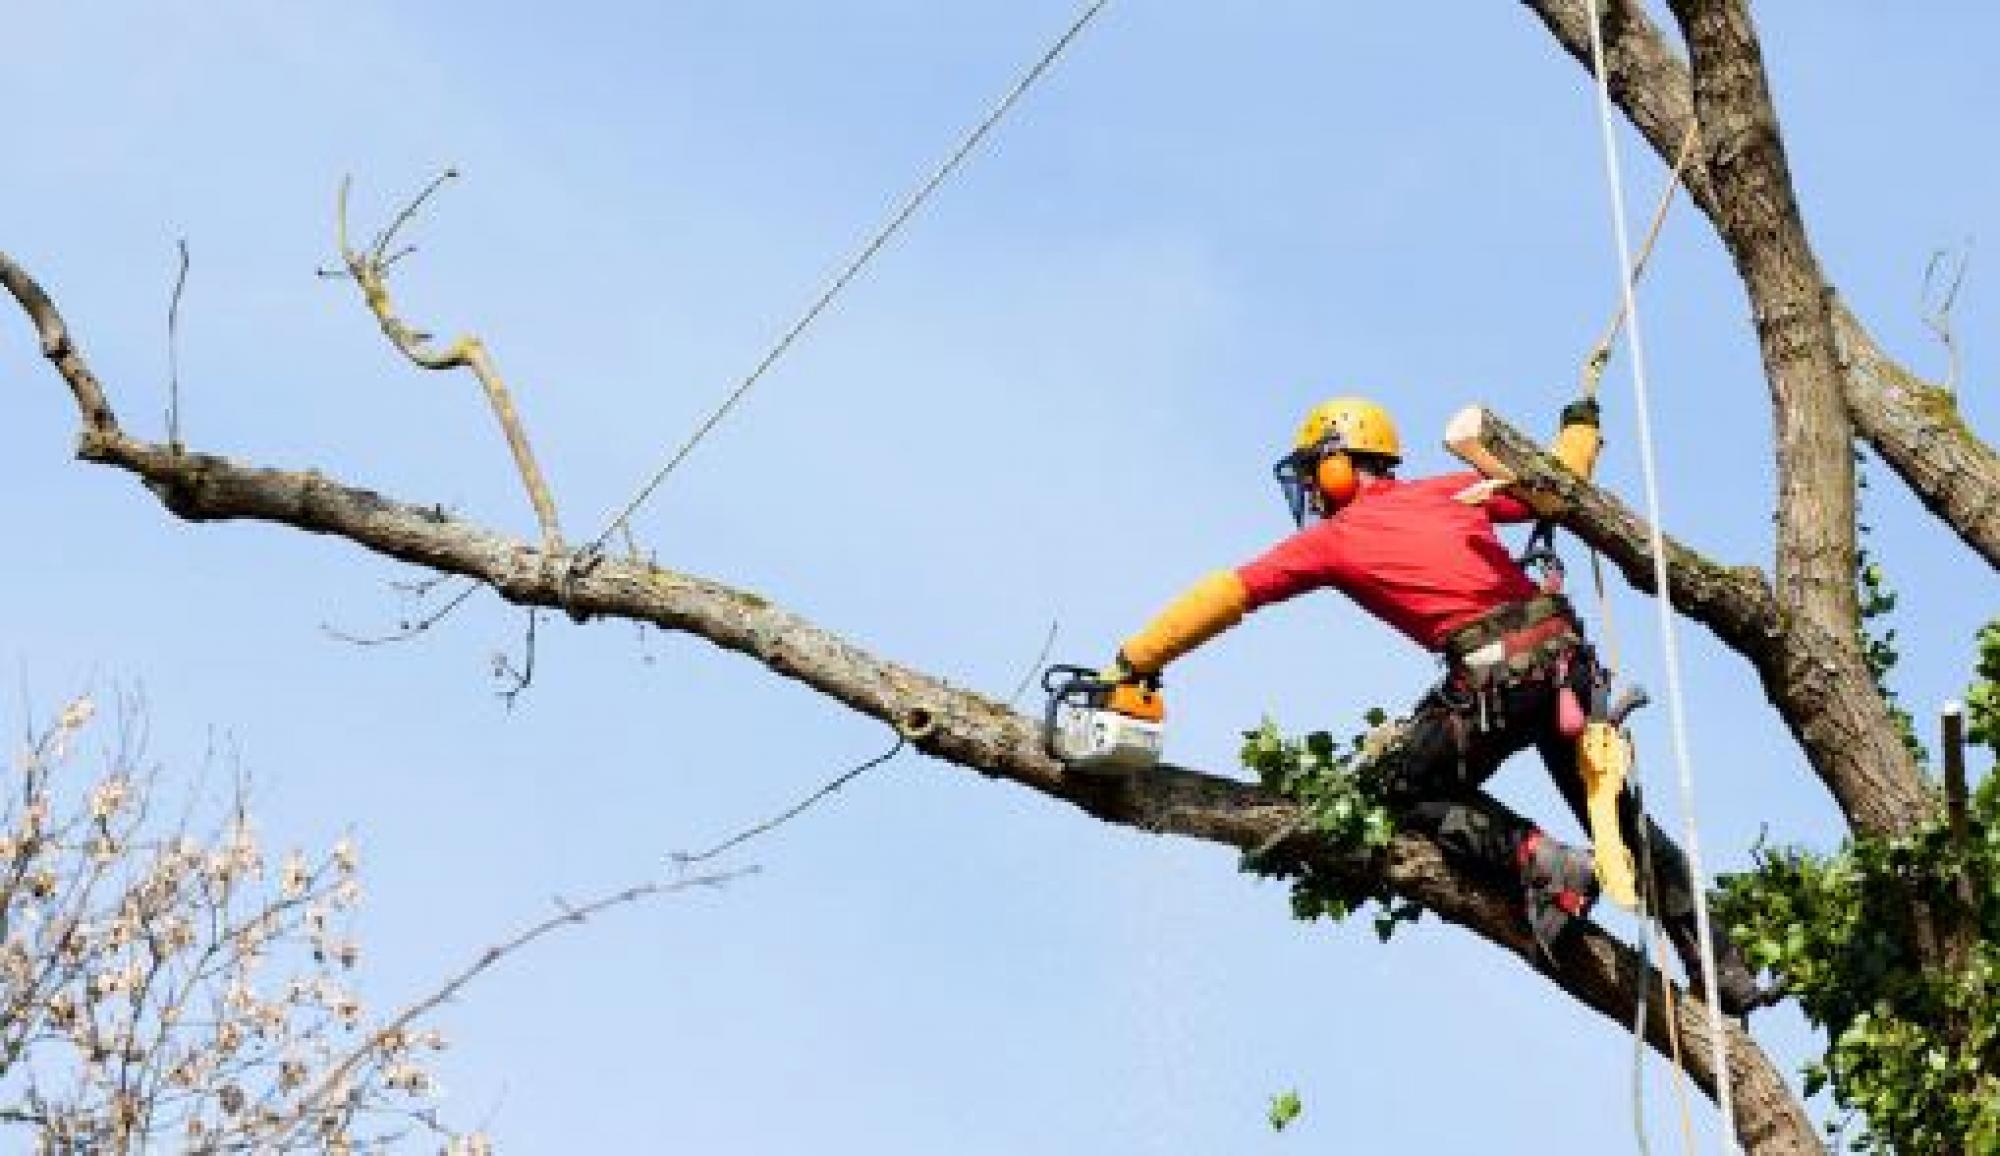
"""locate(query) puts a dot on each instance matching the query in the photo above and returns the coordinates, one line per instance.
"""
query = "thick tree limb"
(1818, 682)
(1758, 217)
(1916, 427)
(1913, 424)
(949, 723)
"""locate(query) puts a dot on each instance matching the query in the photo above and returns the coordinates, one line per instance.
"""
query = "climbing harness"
(1676, 696)
(856, 264)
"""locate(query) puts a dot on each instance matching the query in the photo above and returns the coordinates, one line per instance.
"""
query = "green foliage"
(1877, 639)
(1285, 1108)
(1982, 702)
(1913, 1048)
(1341, 804)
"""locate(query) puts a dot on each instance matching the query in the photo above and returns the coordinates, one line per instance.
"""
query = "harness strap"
(1507, 620)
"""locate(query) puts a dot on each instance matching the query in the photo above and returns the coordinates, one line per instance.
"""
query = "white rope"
(908, 209)
(1669, 644)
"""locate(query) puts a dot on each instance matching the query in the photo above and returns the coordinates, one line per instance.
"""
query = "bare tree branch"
(1913, 424)
(369, 268)
(1758, 217)
(518, 677)
(949, 723)
(409, 628)
(174, 348)
(321, 1095)
(1940, 294)
(1818, 681)
(58, 348)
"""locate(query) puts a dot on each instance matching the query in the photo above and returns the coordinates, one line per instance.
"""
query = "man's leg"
(1433, 779)
(1668, 887)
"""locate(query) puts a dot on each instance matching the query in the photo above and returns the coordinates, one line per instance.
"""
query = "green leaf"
(1285, 1108)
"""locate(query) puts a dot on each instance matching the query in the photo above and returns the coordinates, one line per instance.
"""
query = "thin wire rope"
(1649, 923)
(1669, 641)
(685, 859)
(858, 262)
(1674, 1040)
(1645, 985)
(1650, 947)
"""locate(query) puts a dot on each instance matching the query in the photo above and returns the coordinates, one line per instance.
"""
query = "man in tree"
(1423, 557)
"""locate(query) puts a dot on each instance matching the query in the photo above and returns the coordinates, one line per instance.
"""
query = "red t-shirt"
(1407, 553)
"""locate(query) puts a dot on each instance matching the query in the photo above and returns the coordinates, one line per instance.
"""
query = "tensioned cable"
(1600, 354)
(1669, 642)
(860, 260)
(1592, 375)
(685, 859)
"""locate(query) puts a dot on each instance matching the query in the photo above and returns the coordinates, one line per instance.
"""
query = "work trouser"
(1454, 743)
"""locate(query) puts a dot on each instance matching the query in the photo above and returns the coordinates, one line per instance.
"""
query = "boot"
(1560, 887)
(1738, 992)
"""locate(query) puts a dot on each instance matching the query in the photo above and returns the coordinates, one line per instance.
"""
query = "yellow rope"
(1600, 354)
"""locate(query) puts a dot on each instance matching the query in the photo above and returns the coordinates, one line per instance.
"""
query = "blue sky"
(1056, 398)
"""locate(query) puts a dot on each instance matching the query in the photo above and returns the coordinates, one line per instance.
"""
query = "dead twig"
(1946, 268)
(1035, 667)
(566, 915)
(369, 268)
(519, 677)
(59, 348)
(174, 351)
(407, 629)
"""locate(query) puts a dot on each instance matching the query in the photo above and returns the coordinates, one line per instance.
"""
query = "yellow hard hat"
(1319, 476)
(1363, 427)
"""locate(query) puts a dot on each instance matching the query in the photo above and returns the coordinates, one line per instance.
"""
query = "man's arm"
(1218, 601)
(1212, 605)
(1576, 446)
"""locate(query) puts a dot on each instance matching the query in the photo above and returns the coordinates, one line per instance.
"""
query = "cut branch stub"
(1819, 682)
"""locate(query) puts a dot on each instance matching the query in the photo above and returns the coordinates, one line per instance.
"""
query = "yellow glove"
(1209, 607)
(1578, 441)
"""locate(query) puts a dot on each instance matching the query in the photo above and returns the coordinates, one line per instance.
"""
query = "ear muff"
(1338, 483)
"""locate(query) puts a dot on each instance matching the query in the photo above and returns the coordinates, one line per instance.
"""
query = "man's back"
(1407, 552)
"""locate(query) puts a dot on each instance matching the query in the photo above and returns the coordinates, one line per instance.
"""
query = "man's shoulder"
(1440, 485)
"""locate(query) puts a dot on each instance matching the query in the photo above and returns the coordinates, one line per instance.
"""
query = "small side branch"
(408, 628)
(174, 350)
(1943, 276)
(369, 267)
(60, 350)
(518, 677)
(567, 915)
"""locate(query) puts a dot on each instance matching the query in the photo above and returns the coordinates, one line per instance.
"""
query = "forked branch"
(369, 268)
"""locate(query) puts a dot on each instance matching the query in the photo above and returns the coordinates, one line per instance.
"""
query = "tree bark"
(1760, 223)
(949, 723)
(1913, 424)
(1818, 682)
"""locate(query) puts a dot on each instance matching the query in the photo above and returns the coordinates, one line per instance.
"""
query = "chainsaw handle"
(1068, 685)
(1064, 679)
(1064, 684)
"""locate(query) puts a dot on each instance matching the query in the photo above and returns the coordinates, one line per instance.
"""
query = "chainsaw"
(1099, 725)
